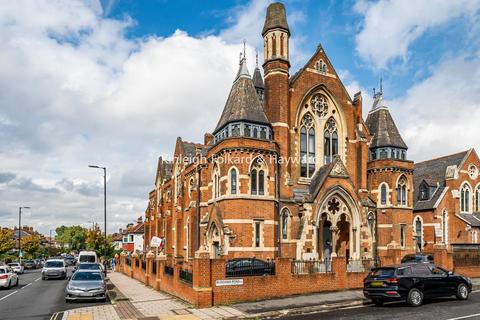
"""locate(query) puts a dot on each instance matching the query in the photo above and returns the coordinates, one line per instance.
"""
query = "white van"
(87, 256)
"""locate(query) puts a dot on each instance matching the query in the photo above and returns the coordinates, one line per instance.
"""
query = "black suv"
(413, 282)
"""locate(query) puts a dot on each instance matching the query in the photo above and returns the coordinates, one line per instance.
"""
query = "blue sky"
(115, 82)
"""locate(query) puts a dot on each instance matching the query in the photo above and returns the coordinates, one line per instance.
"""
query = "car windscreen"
(87, 266)
(54, 264)
(86, 258)
(87, 276)
(2, 270)
(382, 273)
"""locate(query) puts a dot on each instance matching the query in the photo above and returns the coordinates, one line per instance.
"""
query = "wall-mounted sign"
(229, 282)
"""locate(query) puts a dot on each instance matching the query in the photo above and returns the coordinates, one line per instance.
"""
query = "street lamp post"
(20, 233)
(104, 204)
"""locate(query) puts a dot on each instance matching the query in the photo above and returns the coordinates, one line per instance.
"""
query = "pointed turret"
(243, 114)
(258, 81)
(387, 143)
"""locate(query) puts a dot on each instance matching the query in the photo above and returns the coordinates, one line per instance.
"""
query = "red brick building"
(292, 170)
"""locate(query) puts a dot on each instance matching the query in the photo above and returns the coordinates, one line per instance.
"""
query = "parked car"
(70, 260)
(89, 267)
(86, 285)
(413, 282)
(54, 268)
(418, 258)
(8, 278)
(29, 264)
(17, 267)
(249, 267)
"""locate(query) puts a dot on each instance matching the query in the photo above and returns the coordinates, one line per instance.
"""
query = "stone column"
(161, 258)
(134, 264)
(334, 230)
(148, 269)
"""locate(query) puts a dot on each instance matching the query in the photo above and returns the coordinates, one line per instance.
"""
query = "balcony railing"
(311, 266)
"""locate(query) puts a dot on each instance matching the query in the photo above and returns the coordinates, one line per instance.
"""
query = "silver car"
(86, 285)
(54, 268)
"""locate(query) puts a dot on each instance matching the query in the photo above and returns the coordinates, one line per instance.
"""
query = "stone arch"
(347, 212)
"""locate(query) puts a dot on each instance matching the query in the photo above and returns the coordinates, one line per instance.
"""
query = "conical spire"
(243, 103)
(275, 18)
(257, 77)
(381, 125)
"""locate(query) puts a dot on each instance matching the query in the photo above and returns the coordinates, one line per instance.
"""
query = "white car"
(8, 278)
(17, 267)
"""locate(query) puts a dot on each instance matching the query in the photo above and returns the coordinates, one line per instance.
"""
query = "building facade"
(292, 170)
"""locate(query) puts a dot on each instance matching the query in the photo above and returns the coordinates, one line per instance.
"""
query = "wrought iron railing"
(186, 275)
(363, 265)
(128, 260)
(311, 266)
(154, 267)
(144, 264)
(249, 267)
(168, 271)
(137, 263)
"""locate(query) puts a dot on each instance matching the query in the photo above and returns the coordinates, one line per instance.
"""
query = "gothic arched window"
(419, 234)
(444, 226)
(319, 105)
(257, 178)
(465, 198)
(477, 198)
(233, 181)
(216, 182)
(402, 191)
(284, 222)
(191, 186)
(307, 147)
(330, 140)
(383, 194)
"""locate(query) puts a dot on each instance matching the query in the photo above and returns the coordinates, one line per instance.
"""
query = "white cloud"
(75, 91)
(390, 26)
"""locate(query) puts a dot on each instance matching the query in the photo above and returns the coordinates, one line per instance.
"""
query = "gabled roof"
(335, 169)
(190, 149)
(472, 219)
(433, 173)
(382, 127)
(164, 170)
(242, 103)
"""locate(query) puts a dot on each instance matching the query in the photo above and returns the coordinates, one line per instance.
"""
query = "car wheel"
(16, 283)
(462, 292)
(377, 302)
(415, 298)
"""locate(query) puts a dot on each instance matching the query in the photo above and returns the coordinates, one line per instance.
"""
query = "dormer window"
(424, 192)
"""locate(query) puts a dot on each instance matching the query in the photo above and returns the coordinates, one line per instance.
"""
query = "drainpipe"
(199, 184)
(277, 195)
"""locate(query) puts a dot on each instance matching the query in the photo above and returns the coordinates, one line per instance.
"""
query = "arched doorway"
(337, 223)
(214, 242)
(324, 237)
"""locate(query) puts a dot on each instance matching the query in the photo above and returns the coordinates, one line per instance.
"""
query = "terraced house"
(292, 171)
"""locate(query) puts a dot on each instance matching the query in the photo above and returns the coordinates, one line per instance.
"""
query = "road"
(35, 298)
(437, 309)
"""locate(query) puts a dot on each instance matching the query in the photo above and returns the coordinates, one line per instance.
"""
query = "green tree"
(96, 242)
(74, 237)
(7, 242)
(31, 244)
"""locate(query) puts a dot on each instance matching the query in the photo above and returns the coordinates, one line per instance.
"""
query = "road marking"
(26, 285)
(9, 295)
(37, 279)
(465, 317)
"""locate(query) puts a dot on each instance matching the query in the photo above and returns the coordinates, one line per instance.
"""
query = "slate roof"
(190, 149)
(319, 178)
(242, 103)
(472, 219)
(381, 125)
(275, 18)
(258, 79)
(433, 173)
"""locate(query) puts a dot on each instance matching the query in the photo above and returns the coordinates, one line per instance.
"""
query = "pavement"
(131, 299)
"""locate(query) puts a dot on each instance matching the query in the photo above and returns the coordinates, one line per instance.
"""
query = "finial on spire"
(244, 52)
(256, 58)
(374, 94)
(381, 88)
